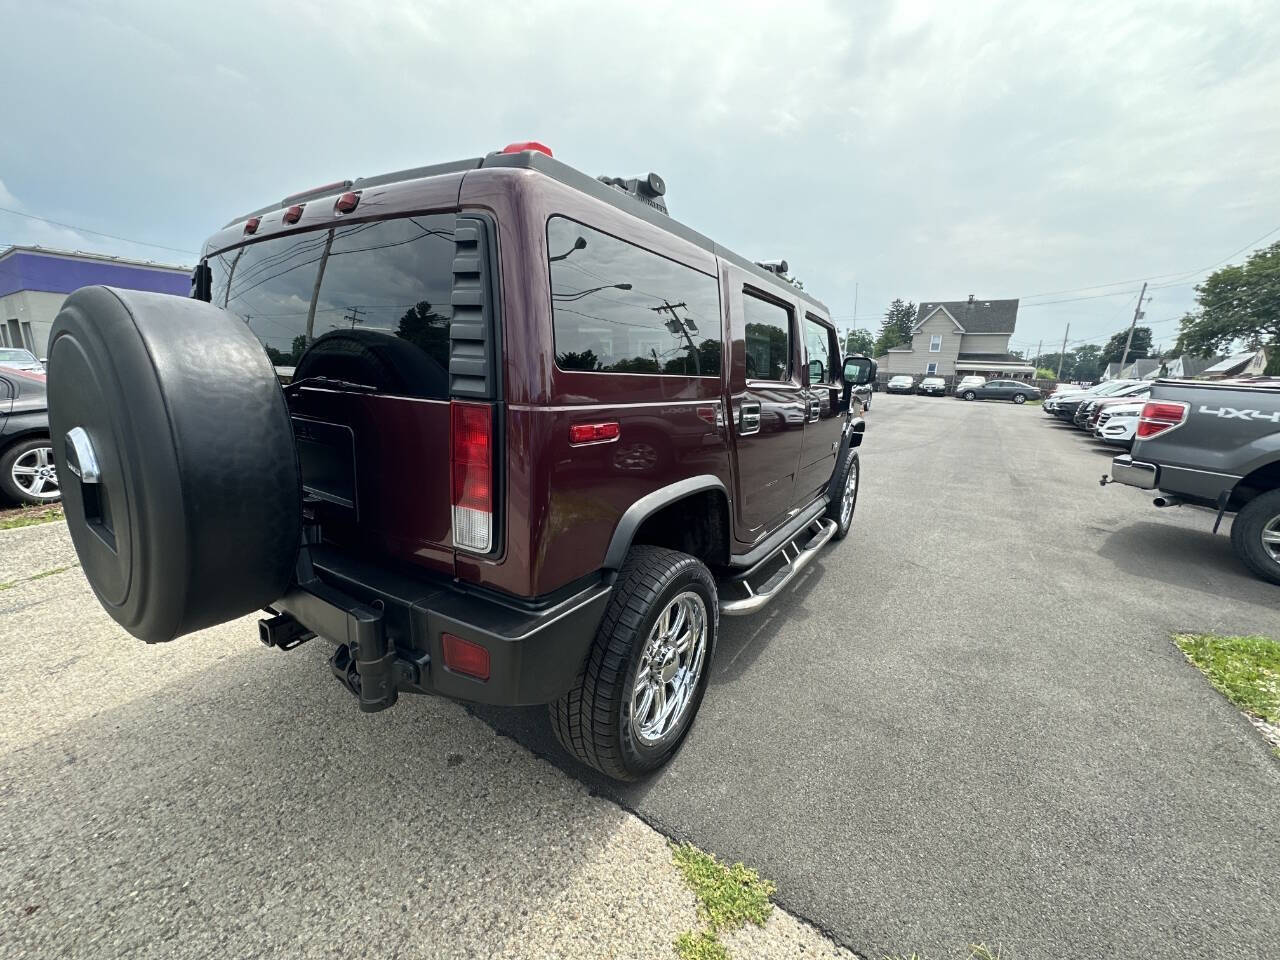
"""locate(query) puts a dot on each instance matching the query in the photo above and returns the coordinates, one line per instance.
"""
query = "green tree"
(895, 329)
(1237, 305)
(1113, 352)
(428, 330)
(860, 341)
(1086, 362)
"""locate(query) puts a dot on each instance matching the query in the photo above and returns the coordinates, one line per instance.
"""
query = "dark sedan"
(26, 453)
(1018, 391)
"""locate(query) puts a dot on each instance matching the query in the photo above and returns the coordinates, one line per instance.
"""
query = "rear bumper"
(535, 649)
(1136, 473)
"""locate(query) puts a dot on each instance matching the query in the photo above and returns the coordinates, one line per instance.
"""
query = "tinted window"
(618, 308)
(768, 329)
(381, 312)
(822, 362)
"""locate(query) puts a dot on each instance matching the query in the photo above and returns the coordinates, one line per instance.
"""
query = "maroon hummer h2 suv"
(497, 429)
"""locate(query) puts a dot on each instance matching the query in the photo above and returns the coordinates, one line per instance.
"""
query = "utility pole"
(855, 303)
(677, 325)
(310, 333)
(1137, 313)
(353, 315)
(1039, 352)
(1064, 351)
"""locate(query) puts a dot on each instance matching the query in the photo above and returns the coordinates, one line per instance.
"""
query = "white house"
(957, 338)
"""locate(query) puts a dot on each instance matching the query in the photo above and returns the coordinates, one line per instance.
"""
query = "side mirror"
(859, 370)
(817, 371)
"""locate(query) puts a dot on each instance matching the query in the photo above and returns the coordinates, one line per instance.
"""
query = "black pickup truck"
(1215, 445)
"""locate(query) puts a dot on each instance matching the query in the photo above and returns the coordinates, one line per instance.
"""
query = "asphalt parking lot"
(967, 722)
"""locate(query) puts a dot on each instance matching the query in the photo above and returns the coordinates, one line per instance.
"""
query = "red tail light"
(594, 432)
(527, 145)
(471, 456)
(464, 656)
(1159, 416)
(293, 214)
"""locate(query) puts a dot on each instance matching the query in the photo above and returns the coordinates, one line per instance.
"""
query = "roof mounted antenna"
(776, 267)
(649, 190)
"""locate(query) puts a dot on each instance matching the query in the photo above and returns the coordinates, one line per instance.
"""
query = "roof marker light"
(527, 145)
(346, 203)
(293, 214)
(251, 225)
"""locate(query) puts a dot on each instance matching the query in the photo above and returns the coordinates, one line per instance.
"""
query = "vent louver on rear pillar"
(473, 330)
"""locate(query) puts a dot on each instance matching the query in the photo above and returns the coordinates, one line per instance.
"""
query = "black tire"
(1019, 398)
(197, 517)
(839, 481)
(10, 485)
(969, 395)
(593, 719)
(1246, 535)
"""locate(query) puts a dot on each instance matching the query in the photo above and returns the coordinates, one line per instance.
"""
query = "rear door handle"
(748, 418)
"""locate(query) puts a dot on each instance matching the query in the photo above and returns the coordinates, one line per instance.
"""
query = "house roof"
(1141, 367)
(45, 269)
(989, 358)
(975, 316)
(1232, 363)
(1194, 366)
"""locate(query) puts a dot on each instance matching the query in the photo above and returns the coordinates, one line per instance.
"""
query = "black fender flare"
(651, 503)
(854, 431)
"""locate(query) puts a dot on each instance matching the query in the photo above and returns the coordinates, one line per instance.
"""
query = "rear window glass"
(618, 308)
(768, 338)
(376, 295)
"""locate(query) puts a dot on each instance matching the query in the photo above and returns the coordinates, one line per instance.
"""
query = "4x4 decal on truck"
(1230, 413)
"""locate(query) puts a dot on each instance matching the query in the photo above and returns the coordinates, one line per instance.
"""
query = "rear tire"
(969, 395)
(844, 492)
(1019, 398)
(604, 719)
(1260, 517)
(27, 473)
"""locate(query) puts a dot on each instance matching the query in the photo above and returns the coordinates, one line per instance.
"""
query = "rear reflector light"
(593, 432)
(527, 145)
(463, 656)
(293, 214)
(1159, 416)
(346, 203)
(471, 456)
(251, 225)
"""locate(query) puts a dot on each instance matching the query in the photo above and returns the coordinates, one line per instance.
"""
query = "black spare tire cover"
(196, 519)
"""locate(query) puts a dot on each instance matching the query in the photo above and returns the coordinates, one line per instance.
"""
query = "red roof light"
(527, 145)
(346, 203)
(293, 214)
(251, 225)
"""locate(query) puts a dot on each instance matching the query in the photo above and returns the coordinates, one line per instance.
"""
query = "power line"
(96, 233)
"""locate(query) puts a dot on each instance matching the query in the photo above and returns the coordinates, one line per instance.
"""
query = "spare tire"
(182, 493)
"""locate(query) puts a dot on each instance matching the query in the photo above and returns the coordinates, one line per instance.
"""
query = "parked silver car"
(18, 359)
(1019, 391)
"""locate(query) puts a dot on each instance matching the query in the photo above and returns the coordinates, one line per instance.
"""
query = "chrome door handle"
(748, 418)
(815, 409)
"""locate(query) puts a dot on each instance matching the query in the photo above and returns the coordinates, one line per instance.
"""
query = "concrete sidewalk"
(211, 797)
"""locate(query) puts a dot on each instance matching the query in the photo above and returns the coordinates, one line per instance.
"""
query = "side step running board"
(819, 532)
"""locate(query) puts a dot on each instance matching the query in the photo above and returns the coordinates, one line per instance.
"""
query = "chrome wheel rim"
(670, 669)
(637, 456)
(1019, 398)
(1271, 538)
(850, 494)
(35, 474)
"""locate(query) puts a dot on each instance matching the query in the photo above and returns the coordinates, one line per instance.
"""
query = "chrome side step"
(819, 531)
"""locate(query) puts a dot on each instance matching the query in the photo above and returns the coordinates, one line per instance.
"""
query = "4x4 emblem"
(1230, 413)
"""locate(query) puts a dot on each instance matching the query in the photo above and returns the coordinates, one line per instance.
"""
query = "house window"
(931, 370)
(935, 343)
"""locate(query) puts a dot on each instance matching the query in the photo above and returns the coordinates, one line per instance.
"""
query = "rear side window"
(618, 308)
(375, 295)
(768, 329)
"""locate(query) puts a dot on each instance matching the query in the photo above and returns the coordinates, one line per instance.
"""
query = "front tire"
(643, 679)
(1019, 398)
(969, 395)
(841, 505)
(28, 474)
(1255, 536)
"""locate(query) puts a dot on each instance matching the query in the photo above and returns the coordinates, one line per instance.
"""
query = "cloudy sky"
(928, 151)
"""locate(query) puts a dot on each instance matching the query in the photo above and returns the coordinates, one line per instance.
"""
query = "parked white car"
(969, 381)
(1118, 423)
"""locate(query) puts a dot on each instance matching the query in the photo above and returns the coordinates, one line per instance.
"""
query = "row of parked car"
(1107, 411)
(966, 388)
(27, 474)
